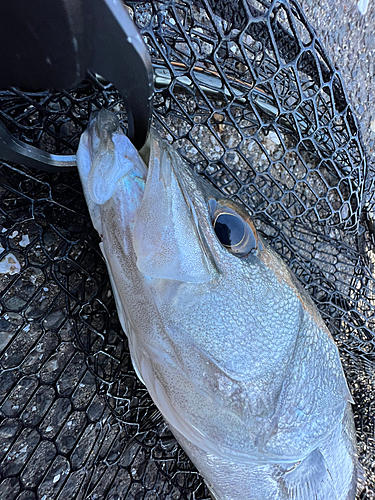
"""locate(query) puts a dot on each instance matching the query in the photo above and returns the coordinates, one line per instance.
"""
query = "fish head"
(186, 229)
(187, 238)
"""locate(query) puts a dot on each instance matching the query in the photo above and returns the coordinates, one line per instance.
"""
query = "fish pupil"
(229, 229)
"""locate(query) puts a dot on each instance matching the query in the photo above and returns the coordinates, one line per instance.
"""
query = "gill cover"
(167, 238)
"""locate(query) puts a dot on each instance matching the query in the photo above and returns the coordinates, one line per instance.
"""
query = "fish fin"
(310, 479)
(340, 454)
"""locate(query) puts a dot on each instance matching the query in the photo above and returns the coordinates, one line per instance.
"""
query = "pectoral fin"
(310, 479)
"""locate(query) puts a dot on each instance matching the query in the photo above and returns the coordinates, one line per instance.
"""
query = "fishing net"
(248, 95)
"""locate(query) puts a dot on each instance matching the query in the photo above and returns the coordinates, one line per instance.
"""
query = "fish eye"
(233, 231)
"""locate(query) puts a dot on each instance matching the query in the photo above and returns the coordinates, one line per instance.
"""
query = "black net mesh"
(246, 93)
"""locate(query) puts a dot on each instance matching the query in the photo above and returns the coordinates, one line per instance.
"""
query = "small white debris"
(10, 265)
(33, 279)
(4, 230)
(372, 126)
(26, 328)
(33, 408)
(24, 241)
(272, 136)
(13, 235)
(45, 289)
(363, 6)
(49, 429)
(56, 478)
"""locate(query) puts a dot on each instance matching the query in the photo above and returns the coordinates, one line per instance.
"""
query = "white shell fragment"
(10, 265)
(24, 241)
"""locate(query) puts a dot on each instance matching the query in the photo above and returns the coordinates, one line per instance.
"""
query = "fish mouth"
(106, 156)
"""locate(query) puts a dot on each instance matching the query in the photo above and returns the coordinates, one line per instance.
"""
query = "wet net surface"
(249, 96)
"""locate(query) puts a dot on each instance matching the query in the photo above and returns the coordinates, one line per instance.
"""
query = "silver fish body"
(230, 347)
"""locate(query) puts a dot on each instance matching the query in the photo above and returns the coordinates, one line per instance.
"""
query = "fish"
(230, 346)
